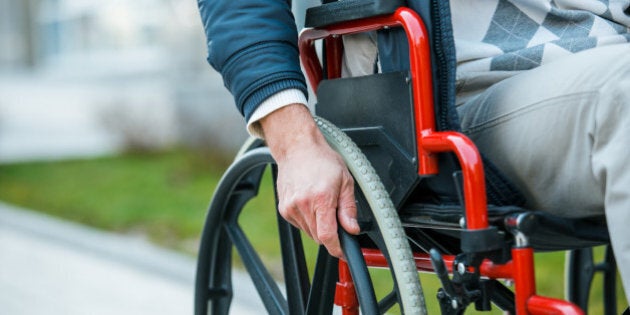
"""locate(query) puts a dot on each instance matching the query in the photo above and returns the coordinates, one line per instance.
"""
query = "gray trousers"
(560, 132)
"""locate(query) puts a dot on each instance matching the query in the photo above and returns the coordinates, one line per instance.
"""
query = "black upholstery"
(384, 133)
(347, 10)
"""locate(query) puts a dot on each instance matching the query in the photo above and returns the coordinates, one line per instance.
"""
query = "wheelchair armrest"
(348, 10)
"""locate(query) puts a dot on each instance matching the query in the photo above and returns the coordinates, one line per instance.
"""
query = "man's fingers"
(326, 221)
(292, 214)
(347, 208)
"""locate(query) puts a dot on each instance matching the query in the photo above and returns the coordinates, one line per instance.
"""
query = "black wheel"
(580, 270)
(222, 233)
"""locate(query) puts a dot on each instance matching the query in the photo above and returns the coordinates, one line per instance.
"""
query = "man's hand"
(315, 189)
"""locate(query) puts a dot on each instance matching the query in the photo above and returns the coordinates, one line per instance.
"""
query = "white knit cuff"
(274, 102)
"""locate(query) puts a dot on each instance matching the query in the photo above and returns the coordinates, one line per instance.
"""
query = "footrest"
(348, 10)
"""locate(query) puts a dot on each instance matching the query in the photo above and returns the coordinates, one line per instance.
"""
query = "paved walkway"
(49, 266)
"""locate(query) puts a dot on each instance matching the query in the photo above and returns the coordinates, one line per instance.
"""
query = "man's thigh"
(541, 127)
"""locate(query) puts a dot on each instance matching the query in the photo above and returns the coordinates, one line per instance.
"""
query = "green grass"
(164, 196)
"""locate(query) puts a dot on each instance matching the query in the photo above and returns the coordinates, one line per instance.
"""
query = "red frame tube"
(526, 300)
(419, 59)
(345, 295)
(524, 280)
(375, 258)
(540, 305)
(334, 52)
(472, 169)
(520, 269)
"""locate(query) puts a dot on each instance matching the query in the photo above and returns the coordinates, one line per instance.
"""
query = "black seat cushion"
(348, 10)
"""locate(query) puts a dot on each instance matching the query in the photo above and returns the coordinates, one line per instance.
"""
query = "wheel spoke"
(294, 267)
(580, 273)
(220, 293)
(387, 302)
(501, 296)
(610, 282)
(322, 295)
(267, 288)
(293, 261)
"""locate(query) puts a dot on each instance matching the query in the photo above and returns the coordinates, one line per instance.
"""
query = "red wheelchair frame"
(429, 142)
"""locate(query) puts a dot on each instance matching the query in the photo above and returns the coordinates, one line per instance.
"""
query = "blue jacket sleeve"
(253, 44)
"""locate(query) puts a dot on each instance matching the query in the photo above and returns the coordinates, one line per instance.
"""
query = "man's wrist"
(290, 128)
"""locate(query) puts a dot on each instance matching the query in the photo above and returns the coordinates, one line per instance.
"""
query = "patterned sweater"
(515, 35)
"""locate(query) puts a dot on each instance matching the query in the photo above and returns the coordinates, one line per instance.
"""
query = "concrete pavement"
(55, 267)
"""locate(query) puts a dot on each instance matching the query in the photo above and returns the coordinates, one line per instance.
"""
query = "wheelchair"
(421, 198)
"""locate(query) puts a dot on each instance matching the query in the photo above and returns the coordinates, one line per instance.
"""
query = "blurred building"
(16, 44)
(40, 33)
(132, 70)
